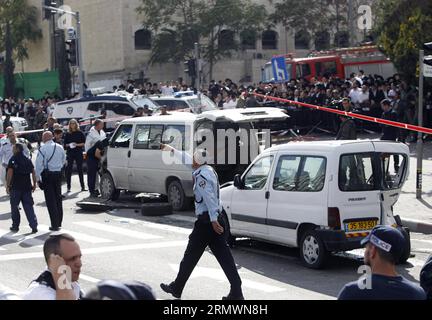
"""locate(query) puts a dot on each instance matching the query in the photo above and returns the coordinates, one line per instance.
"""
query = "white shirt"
(93, 137)
(363, 96)
(232, 104)
(37, 291)
(167, 91)
(355, 95)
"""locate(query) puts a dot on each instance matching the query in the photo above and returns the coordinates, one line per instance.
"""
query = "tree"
(178, 24)
(18, 26)
(401, 28)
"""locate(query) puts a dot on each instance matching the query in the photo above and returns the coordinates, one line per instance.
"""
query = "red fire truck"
(338, 62)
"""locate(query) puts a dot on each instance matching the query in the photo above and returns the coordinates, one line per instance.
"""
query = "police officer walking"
(6, 147)
(49, 163)
(20, 188)
(209, 230)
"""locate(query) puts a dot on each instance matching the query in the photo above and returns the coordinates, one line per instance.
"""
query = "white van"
(134, 160)
(319, 196)
(116, 106)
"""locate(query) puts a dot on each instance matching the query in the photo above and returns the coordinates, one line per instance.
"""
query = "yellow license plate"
(360, 225)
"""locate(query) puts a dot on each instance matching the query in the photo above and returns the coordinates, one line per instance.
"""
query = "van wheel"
(312, 250)
(406, 253)
(176, 196)
(107, 188)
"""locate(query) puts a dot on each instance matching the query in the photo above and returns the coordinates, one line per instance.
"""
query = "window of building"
(248, 39)
(322, 40)
(143, 39)
(269, 40)
(226, 39)
(302, 39)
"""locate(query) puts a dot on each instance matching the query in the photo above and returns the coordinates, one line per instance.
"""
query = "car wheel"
(176, 196)
(312, 250)
(156, 209)
(107, 187)
(406, 253)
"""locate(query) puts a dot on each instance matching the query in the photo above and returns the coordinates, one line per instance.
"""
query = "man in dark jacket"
(348, 128)
(389, 132)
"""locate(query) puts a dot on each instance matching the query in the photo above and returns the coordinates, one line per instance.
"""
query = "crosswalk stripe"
(79, 236)
(117, 230)
(157, 226)
(108, 249)
(28, 240)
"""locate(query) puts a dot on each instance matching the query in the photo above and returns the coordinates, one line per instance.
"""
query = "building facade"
(117, 47)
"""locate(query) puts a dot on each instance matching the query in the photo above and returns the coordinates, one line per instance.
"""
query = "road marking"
(157, 226)
(421, 240)
(117, 230)
(427, 250)
(80, 236)
(218, 274)
(19, 238)
(153, 245)
(416, 262)
(88, 278)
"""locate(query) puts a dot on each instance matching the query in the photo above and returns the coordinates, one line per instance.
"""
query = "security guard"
(209, 230)
(20, 188)
(6, 147)
(49, 163)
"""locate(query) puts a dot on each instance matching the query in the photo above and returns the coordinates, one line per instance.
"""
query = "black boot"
(170, 288)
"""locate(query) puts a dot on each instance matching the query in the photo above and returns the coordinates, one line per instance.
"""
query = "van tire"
(313, 252)
(107, 187)
(406, 253)
(176, 196)
(156, 209)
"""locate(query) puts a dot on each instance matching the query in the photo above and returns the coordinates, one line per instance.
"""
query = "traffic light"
(71, 52)
(428, 59)
(47, 13)
(190, 67)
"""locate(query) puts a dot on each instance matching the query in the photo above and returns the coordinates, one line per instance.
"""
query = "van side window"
(393, 168)
(122, 137)
(256, 177)
(95, 107)
(356, 172)
(300, 174)
(148, 137)
(175, 136)
(123, 109)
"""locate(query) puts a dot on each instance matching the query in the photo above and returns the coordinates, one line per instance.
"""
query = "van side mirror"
(238, 183)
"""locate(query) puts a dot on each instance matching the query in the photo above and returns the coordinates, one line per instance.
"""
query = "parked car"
(185, 101)
(320, 197)
(134, 160)
(19, 124)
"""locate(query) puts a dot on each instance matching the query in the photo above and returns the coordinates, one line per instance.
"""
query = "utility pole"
(80, 63)
(350, 22)
(197, 66)
(420, 135)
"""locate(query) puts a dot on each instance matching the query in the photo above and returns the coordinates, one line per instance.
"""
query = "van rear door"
(355, 192)
(394, 165)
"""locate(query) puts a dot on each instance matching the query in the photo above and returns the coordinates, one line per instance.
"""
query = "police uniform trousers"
(202, 236)
(53, 198)
(92, 171)
(76, 157)
(25, 197)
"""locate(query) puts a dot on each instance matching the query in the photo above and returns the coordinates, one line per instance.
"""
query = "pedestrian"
(74, 142)
(383, 248)
(6, 147)
(96, 134)
(49, 125)
(139, 112)
(60, 282)
(348, 128)
(210, 229)
(7, 122)
(388, 132)
(426, 278)
(49, 164)
(20, 188)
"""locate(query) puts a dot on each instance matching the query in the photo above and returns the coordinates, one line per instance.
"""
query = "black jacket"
(347, 130)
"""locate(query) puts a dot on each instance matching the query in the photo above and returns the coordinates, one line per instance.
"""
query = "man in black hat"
(348, 128)
(383, 248)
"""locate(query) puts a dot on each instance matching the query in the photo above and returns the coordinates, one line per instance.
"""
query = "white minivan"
(134, 160)
(321, 197)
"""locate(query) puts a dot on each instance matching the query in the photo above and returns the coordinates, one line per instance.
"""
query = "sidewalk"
(417, 214)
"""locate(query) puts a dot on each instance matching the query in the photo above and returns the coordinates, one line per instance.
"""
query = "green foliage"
(178, 24)
(401, 27)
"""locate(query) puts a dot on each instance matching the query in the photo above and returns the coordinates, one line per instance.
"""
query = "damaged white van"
(321, 197)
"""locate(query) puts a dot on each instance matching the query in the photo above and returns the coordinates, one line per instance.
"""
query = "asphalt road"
(122, 244)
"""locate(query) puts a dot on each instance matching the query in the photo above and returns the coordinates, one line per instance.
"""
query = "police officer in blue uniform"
(209, 230)
(20, 188)
(49, 163)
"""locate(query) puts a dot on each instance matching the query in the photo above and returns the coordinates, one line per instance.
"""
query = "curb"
(417, 226)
